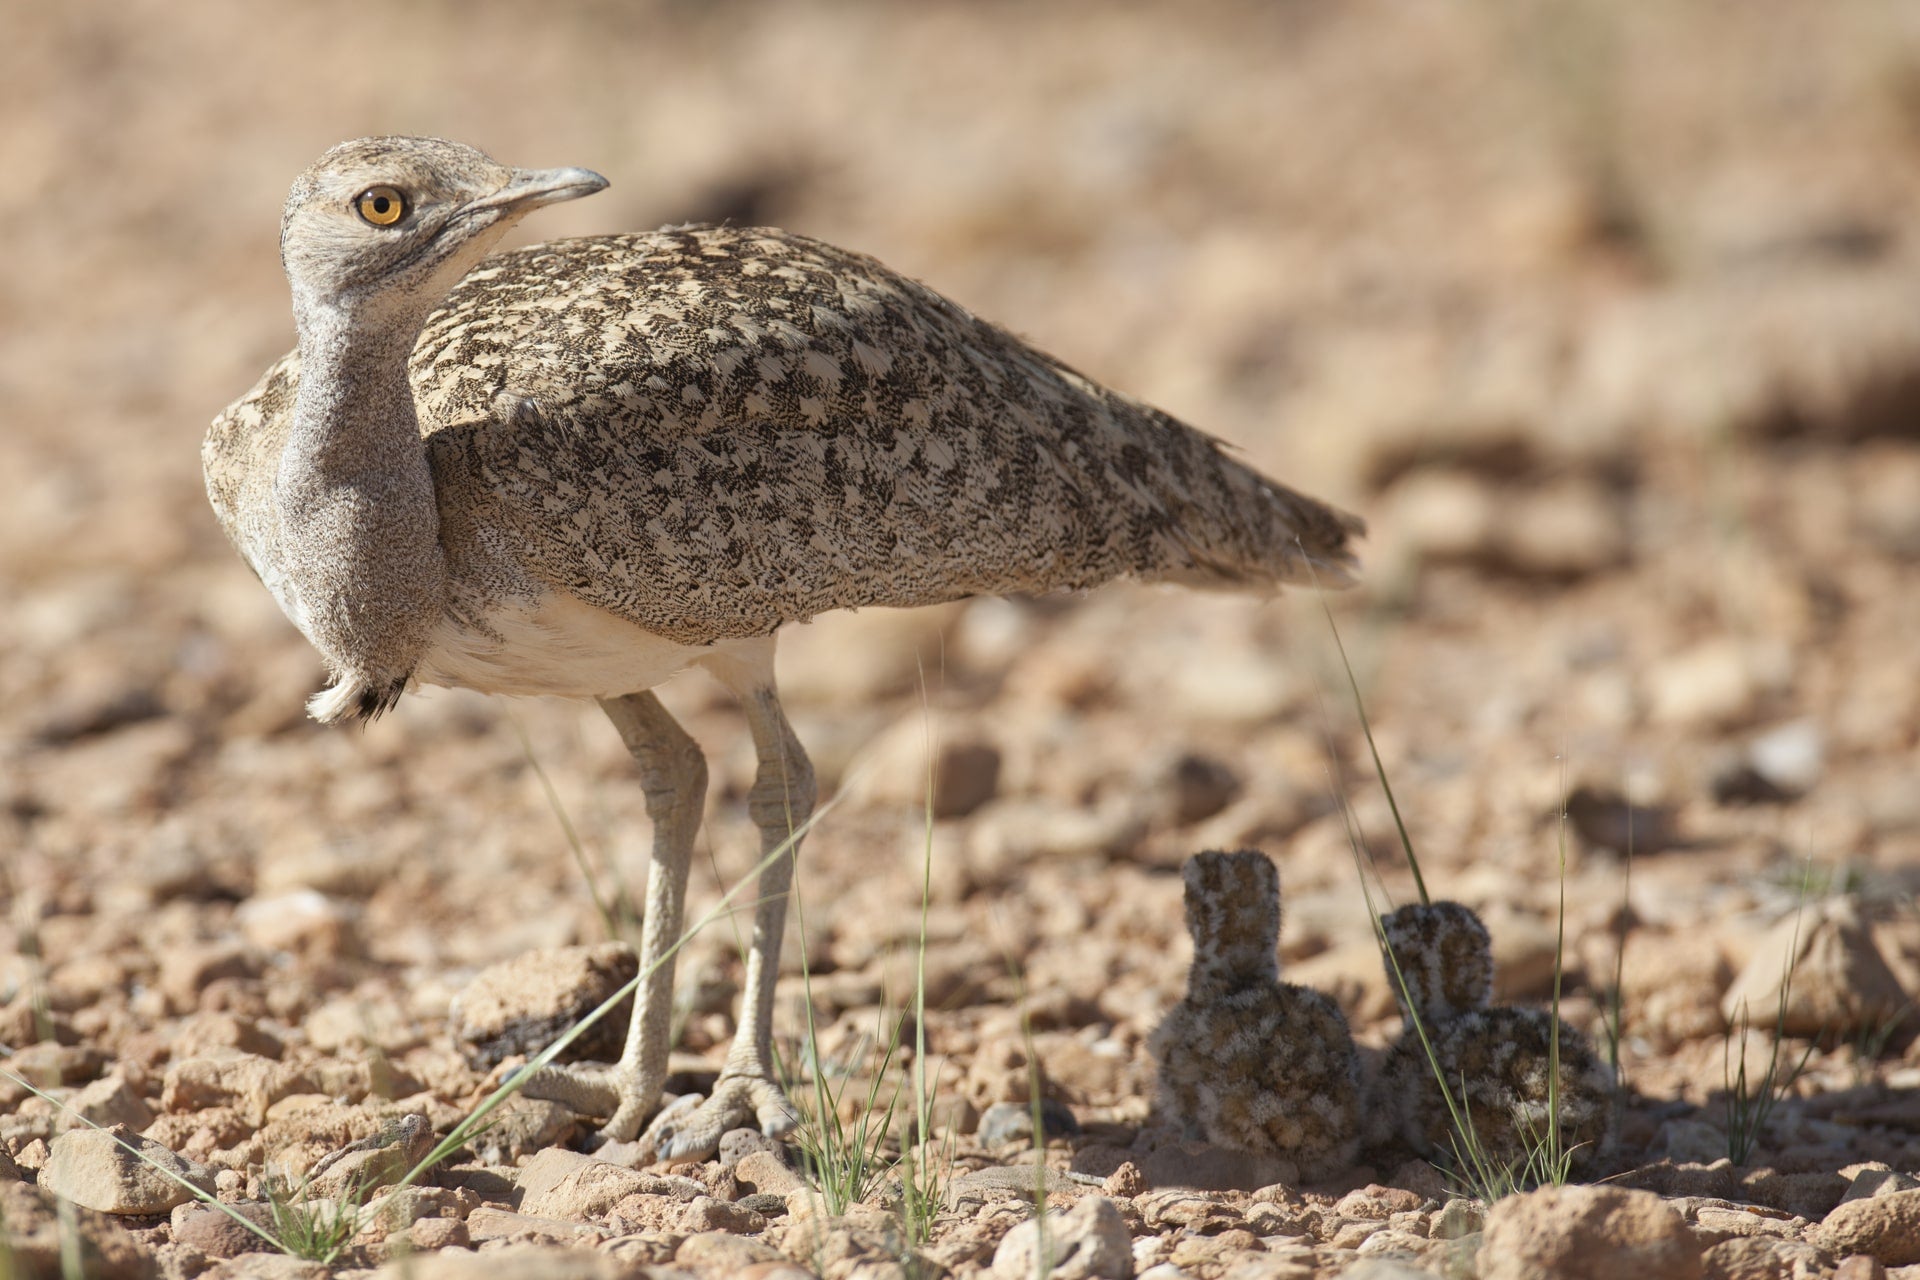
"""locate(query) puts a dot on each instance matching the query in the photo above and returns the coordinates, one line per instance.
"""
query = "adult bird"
(579, 468)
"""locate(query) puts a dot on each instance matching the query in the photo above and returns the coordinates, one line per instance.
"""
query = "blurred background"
(1605, 313)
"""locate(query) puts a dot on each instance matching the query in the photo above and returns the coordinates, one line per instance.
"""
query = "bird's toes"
(773, 1109)
(588, 1088)
(694, 1133)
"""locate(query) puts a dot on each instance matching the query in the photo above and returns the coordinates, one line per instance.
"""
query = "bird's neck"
(1216, 975)
(359, 521)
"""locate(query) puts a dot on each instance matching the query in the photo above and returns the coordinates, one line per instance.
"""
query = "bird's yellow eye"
(382, 206)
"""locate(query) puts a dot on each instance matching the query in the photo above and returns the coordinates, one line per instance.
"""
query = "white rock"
(1086, 1242)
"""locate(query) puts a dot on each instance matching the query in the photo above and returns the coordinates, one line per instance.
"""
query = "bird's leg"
(746, 1092)
(674, 774)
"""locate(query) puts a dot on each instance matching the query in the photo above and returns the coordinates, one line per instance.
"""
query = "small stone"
(1458, 1218)
(215, 1233)
(1882, 1181)
(301, 922)
(1005, 1122)
(108, 1101)
(1587, 1233)
(373, 1161)
(1762, 1258)
(765, 1173)
(267, 1266)
(1086, 1242)
(707, 1214)
(723, 1252)
(524, 1004)
(563, 1184)
(736, 1144)
(520, 1127)
(1565, 529)
(488, 1224)
(95, 1168)
(1837, 981)
(426, 1235)
(188, 969)
(765, 1203)
(1718, 684)
(514, 1262)
(1887, 1227)
(1192, 788)
(37, 1239)
(1386, 1269)
(246, 1082)
(1126, 1182)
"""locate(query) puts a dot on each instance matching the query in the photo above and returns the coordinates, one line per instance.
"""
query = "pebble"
(965, 772)
(1719, 683)
(514, 1262)
(1880, 1181)
(35, 1235)
(1087, 1242)
(246, 1082)
(1386, 1269)
(1837, 980)
(214, 1232)
(108, 1101)
(520, 1006)
(1760, 1258)
(1592, 1233)
(1005, 1122)
(93, 1167)
(521, 1126)
(1887, 1227)
(763, 1172)
(557, 1183)
(301, 922)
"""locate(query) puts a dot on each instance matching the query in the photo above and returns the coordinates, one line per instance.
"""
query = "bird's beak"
(531, 188)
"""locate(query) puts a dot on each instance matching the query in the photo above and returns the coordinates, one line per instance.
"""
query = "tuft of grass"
(852, 1161)
(846, 1161)
(1544, 1158)
(313, 1229)
(927, 1164)
(1750, 1102)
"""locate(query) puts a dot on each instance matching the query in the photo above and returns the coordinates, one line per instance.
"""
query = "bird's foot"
(690, 1128)
(597, 1089)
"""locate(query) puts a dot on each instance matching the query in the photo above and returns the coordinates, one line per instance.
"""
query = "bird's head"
(385, 226)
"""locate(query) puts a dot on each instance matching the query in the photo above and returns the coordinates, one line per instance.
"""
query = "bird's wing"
(712, 431)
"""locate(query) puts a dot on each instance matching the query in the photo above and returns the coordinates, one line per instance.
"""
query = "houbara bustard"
(579, 468)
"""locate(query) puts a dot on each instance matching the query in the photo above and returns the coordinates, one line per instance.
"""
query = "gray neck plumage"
(359, 528)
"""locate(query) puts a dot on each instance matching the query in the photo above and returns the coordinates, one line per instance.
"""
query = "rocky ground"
(1602, 314)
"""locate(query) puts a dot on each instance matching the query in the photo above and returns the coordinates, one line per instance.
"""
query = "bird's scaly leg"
(780, 802)
(674, 774)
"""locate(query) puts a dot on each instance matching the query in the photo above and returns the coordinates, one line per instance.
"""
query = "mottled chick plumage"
(1497, 1060)
(1245, 1060)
